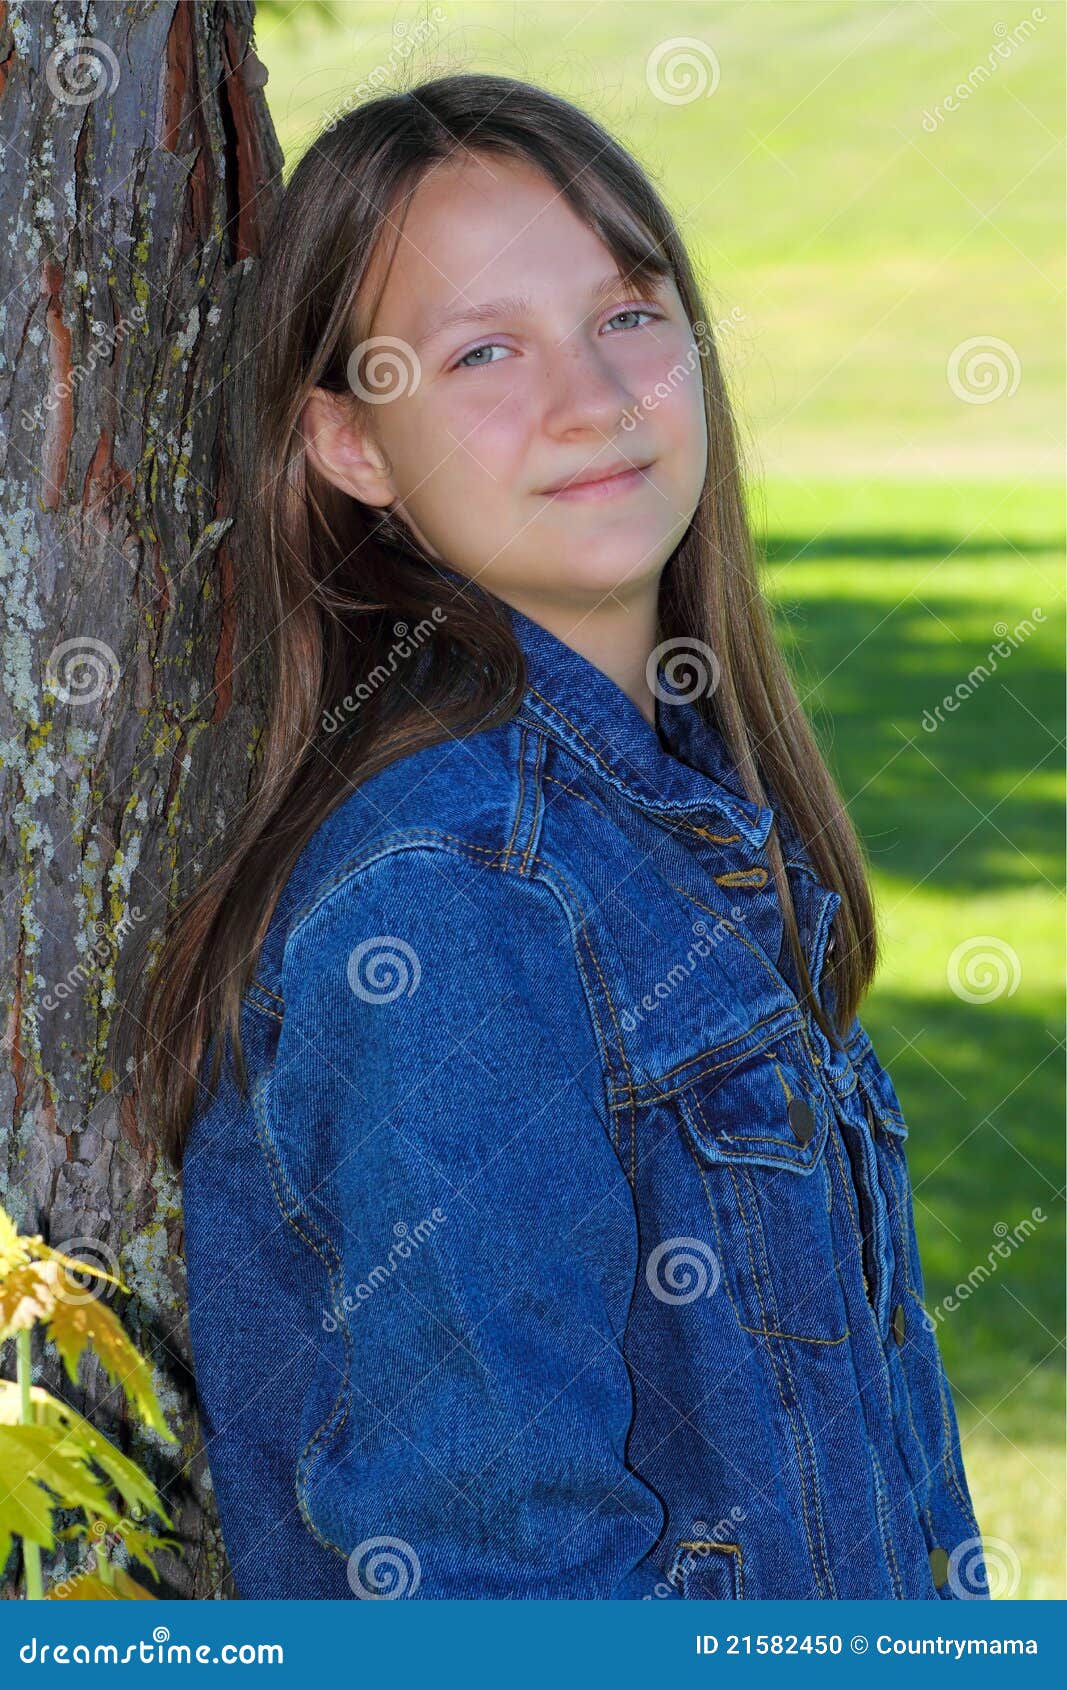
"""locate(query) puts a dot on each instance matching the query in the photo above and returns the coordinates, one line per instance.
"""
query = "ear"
(340, 451)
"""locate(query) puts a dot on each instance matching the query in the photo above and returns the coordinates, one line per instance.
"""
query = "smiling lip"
(601, 486)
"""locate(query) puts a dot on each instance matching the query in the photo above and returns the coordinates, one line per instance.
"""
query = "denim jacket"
(554, 1252)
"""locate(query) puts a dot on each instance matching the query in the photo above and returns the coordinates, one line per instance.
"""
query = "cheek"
(494, 419)
(677, 426)
(482, 433)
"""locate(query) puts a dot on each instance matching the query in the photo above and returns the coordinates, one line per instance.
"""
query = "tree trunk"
(139, 167)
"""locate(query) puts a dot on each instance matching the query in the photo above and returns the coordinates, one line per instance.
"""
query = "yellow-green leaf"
(9, 1239)
(72, 1325)
(26, 1296)
(75, 1266)
(135, 1487)
(90, 1587)
(25, 1511)
(141, 1544)
(34, 1456)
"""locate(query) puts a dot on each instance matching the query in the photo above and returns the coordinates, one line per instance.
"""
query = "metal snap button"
(801, 1120)
(938, 1565)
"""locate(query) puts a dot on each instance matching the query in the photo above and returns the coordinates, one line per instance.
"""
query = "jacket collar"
(680, 767)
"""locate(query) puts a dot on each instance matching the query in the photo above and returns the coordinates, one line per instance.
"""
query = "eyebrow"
(515, 305)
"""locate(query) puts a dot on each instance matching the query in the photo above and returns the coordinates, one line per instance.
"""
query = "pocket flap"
(767, 1106)
(876, 1086)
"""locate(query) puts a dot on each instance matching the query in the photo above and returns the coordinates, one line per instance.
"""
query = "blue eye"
(636, 311)
(488, 346)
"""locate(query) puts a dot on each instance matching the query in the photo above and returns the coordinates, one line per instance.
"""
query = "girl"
(548, 1223)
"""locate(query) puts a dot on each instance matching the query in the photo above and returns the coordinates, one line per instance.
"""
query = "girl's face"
(531, 392)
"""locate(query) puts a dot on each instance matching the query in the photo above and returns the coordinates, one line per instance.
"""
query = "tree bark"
(139, 167)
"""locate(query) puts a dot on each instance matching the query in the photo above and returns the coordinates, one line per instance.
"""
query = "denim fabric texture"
(554, 1251)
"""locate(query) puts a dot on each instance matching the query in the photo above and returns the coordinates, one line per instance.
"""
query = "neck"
(618, 634)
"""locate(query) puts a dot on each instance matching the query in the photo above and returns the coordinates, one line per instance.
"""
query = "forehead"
(473, 230)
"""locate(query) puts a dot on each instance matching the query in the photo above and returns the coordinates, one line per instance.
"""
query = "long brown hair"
(335, 577)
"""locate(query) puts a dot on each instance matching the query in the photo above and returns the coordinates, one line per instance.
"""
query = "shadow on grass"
(968, 808)
(960, 797)
(981, 1090)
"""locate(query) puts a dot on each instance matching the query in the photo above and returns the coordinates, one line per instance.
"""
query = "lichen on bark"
(129, 225)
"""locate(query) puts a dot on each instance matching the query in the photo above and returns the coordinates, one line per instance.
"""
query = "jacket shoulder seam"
(530, 869)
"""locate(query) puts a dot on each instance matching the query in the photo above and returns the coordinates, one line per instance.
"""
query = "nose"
(585, 392)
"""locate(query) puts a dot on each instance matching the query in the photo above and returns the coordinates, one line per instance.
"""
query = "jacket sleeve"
(438, 1109)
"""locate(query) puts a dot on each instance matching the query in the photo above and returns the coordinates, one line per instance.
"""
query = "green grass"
(903, 523)
(860, 249)
(888, 598)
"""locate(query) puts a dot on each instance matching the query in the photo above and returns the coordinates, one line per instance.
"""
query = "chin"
(614, 572)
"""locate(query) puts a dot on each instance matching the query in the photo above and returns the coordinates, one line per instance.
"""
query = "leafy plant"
(51, 1457)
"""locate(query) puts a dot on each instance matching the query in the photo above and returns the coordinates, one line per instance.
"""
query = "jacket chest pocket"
(758, 1130)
